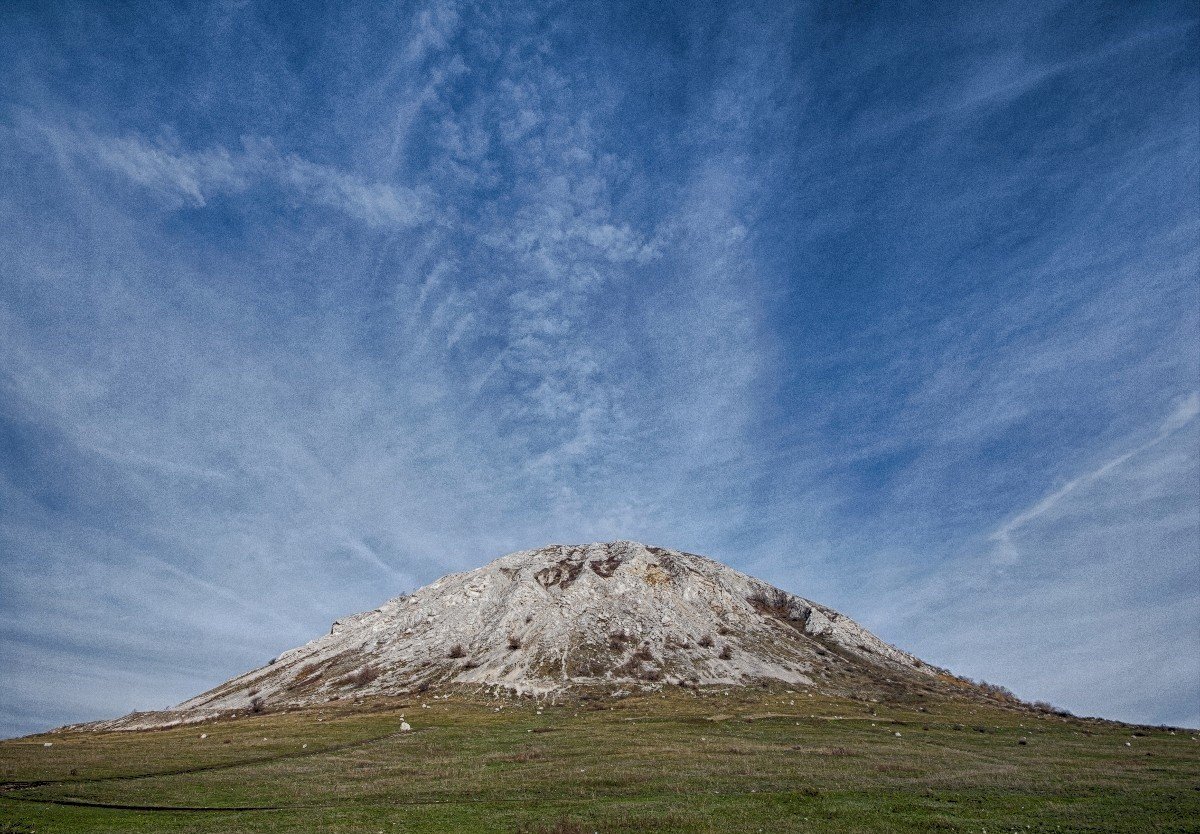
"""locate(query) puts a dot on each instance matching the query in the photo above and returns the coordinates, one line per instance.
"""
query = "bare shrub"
(362, 677)
(995, 690)
(514, 642)
(706, 641)
(1050, 709)
(631, 668)
(643, 653)
(586, 665)
(256, 704)
(618, 640)
(771, 601)
(457, 651)
(726, 653)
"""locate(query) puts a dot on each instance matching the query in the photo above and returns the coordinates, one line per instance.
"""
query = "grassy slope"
(772, 761)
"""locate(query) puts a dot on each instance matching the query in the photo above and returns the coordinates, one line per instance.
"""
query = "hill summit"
(535, 621)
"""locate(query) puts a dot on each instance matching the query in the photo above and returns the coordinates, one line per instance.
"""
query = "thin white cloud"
(193, 177)
(1003, 537)
(187, 177)
(376, 204)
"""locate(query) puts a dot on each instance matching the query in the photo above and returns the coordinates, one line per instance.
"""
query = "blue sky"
(304, 306)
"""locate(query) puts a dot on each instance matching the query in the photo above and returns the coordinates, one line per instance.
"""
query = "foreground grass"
(743, 761)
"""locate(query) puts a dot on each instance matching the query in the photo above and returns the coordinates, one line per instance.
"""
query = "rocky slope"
(613, 615)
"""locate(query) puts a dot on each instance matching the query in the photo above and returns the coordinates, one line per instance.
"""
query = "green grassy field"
(748, 760)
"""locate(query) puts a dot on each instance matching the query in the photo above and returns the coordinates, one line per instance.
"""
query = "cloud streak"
(1006, 549)
(182, 177)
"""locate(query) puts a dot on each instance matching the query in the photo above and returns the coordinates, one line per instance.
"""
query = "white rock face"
(613, 614)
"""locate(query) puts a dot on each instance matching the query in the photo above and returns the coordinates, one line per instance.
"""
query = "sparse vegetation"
(307, 675)
(256, 704)
(308, 670)
(514, 642)
(586, 664)
(706, 641)
(457, 651)
(726, 653)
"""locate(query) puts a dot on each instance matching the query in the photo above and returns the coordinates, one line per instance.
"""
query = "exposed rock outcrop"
(617, 615)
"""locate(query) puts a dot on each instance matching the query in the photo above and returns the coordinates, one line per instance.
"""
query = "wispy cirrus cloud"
(193, 177)
(286, 331)
(1003, 537)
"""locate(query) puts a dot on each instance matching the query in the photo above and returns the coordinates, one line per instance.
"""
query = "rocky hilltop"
(612, 615)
